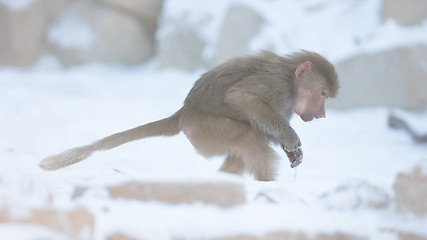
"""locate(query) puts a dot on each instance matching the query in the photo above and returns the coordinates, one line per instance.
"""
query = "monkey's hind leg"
(214, 135)
(259, 157)
(233, 164)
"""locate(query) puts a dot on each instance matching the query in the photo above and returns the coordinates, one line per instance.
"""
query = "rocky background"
(190, 36)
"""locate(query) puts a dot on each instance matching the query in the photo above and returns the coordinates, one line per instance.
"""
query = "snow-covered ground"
(47, 111)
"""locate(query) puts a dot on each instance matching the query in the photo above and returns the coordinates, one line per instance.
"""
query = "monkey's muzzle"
(295, 157)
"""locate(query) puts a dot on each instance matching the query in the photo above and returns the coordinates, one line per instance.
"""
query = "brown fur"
(237, 109)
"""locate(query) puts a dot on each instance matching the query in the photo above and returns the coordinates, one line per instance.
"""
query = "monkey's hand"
(295, 157)
(292, 147)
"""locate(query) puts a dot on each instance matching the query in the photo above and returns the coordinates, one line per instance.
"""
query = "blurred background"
(378, 46)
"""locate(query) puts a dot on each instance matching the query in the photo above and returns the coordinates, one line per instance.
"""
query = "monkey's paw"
(295, 156)
(290, 140)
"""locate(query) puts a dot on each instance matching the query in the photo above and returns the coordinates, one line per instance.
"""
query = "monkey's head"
(316, 81)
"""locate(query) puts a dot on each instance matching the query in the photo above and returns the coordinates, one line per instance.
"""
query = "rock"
(221, 194)
(109, 31)
(120, 236)
(103, 35)
(181, 36)
(393, 78)
(22, 38)
(181, 48)
(183, 44)
(285, 235)
(75, 224)
(146, 10)
(410, 191)
(411, 236)
(405, 12)
(356, 196)
(240, 25)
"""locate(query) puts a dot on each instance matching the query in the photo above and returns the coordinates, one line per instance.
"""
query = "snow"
(45, 110)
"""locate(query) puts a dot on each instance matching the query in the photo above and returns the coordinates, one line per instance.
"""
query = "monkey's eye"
(324, 94)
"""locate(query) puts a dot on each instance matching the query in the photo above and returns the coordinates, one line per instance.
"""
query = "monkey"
(239, 109)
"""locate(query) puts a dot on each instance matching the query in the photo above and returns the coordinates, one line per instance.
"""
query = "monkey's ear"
(303, 68)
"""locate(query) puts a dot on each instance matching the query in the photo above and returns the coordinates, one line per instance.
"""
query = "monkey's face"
(311, 93)
(310, 103)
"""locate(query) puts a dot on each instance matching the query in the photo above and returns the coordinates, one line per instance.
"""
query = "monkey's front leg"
(266, 119)
(293, 148)
(291, 144)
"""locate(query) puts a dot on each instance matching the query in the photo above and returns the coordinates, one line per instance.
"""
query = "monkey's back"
(262, 71)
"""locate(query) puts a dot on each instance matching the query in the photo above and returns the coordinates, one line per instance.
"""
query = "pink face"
(311, 105)
(310, 101)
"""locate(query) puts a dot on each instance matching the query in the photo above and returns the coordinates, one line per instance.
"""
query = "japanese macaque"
(238, 109)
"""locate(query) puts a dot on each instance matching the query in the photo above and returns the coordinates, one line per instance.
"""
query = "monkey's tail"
(165, 127)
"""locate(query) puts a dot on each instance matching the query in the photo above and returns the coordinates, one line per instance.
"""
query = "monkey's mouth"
(306, 117)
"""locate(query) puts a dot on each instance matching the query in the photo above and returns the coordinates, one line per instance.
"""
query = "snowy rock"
(181, 48)
(146, 10)
(405, 12)
(410, 190)
(23, 28)
(291, 235)
(120, 236)
(356, 195)
(186, 30)
(240, 25)
(93, 32)
(410, 236)
(193, 37)
(393, 78)
(88, 31)
(221, 194)
(75, 224)
(284, 235)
